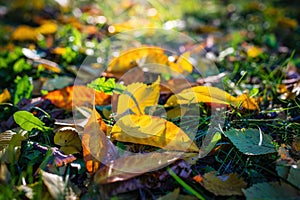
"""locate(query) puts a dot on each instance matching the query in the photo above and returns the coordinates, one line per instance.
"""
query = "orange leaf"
(5, 96)
(76, 95)
(96, 146)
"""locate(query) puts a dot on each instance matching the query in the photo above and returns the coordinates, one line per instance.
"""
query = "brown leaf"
(224, 185)
(131, 166)
(96, 146)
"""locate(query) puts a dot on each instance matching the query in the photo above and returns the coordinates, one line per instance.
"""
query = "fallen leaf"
(24, 32)
(271, 190)
(137, 57)
(154, 131)
(210, 94)
(254, 52)
(224, 185)
(76, 95)
(251, 141)
(57, 186)
(5, 96)
(60, 159)
(27, 121)
(137, 97)
(68, 140)
(128, 167)
(97, 148)
(171, 195)
(47, 28)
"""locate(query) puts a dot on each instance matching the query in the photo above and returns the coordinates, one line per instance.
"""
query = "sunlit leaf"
(24, 33)
(254, 51)
(5, 96)
(96, 146)
(47, 28)
(137, 57)
(251, 141)
(138, 96)
(210, 94)
(131, 166)
(154, 131)
(271, 190)
(76, 95)
(68, 140)
(224, 185)
(107, 86)
(23, 89)
(28, 121)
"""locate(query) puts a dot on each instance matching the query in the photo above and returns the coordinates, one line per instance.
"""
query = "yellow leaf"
(47, 28)
(208, 94)
(138, 96)
(225, 185)
(69, 140)
(128, 167)
(182, 64)
(254, 51)
(24, 32)
(154, 131)
(5, 96)
(137, 57)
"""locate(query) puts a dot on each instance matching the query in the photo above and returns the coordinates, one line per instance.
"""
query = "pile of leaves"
(88, 112)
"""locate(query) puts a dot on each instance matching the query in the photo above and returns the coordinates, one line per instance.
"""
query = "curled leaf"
(208, 94)
(68, 140)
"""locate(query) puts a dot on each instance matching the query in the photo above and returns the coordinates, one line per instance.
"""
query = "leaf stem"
(183, 184)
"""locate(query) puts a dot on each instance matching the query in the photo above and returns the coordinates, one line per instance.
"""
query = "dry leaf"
(210, 94)
(154, 131)
(76, 95)
(225, 185)
(131, 166)
(5, 96)
(96, 146)
(68, 140)
(137, 97)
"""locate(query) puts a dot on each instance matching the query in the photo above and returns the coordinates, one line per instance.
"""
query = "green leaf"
(28, 121)
(107, 86)
(271, 190)
(21, 65)
(251, 141)
(294, 175)
(23, 89)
